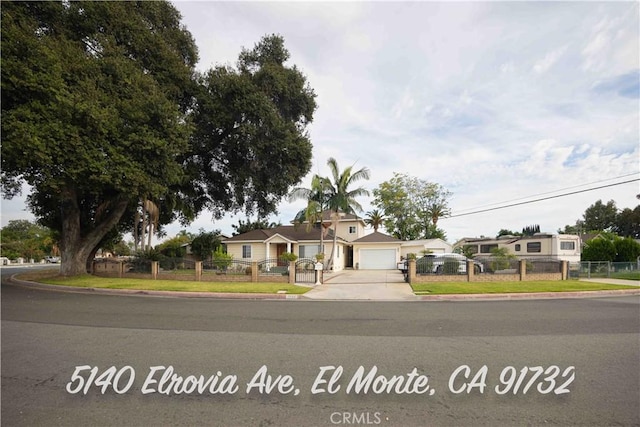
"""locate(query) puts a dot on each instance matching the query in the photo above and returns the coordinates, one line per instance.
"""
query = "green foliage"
(500, 259)
(250, 143)
(530, 230)
(204, 244)
(288, 256)
(340, 197)
(450, 265)
(375, 219)
(174, 247)
(627, 249)
(628, 223)
(599, 249)
(600, 217)
(412, 207)
(24, 239)
(221, 259)
(248, 225)
(505, 232)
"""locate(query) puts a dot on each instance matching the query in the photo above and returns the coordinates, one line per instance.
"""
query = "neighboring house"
(564, 247)
(421, 247)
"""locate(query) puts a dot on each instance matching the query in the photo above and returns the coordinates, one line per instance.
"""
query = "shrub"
(288, 256)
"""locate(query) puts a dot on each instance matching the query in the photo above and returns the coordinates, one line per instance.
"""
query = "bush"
(222, 260)
(288, 256)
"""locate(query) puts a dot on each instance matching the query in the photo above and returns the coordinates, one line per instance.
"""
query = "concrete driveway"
(381, 285)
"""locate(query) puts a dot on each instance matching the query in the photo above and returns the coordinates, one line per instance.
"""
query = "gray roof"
(290, 232)
(377, 237)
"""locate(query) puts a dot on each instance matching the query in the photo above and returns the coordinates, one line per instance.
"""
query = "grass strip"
(88, 281)
(442, 288)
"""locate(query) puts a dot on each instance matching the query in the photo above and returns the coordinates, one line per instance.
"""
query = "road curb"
(530, 295)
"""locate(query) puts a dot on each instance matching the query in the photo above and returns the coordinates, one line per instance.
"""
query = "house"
(419, 247)
(354, 248)
(565, 247)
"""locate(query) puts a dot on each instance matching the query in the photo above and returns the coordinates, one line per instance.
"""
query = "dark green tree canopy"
(600, 216)
(102, 108)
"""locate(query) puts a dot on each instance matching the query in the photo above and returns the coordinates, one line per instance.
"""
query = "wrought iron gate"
(305, 271)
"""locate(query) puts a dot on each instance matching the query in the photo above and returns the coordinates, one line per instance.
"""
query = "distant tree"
(22, 238)
(577, 228)
(412, 207)
(530, 230)
(175, 247)
(375, 219)
(600, 217)
(205, 244)
(248, 225)
(121, 249)
(505, 232)
(627, 223)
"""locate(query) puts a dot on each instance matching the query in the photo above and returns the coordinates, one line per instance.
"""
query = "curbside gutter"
(529, 295)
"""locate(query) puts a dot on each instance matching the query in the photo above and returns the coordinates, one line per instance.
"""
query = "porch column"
(289, 247)
(267, 264)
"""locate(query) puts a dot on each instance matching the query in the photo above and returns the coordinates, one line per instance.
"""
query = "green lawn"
(441, 288)
(88, 281)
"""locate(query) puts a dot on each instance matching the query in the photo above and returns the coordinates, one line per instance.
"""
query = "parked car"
(52, 259)
(446, 263)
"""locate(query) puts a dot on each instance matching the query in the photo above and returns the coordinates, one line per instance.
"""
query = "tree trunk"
(76, 249)
(335, 220)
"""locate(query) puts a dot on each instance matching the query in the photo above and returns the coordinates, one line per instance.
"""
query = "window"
(352, 229)
(308, 251)
(246, 251)
(534, 247)
(486, 249)
(567, 246)
(518, 247)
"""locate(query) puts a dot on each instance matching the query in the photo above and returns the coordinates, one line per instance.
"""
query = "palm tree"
(374, 219)
(340, 199)
(316, 204)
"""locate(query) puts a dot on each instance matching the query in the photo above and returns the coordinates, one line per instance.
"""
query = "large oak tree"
(102, 108)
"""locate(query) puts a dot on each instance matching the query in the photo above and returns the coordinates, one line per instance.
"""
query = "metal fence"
(227, 266)
(608, 269)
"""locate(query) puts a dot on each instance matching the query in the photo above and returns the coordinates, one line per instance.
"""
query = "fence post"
(470, 270)
(565, 270)
(609, 269)
(198, 271)
(412, 270)
(121, 269)
(254, 271)
(292, 272)
(523, 270)
(155, 266)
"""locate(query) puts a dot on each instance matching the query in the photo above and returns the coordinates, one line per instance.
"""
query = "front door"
(280, 249)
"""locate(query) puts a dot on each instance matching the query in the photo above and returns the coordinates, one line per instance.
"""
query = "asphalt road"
(46, 335)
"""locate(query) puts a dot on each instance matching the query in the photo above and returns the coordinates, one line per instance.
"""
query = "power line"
(548, 192)
(542, 199)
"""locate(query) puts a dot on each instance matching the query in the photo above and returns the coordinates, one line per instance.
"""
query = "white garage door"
(378, 259)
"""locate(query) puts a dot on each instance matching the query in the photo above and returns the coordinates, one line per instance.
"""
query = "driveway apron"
(382, 285)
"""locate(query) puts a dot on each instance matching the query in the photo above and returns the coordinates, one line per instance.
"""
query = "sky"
(499, 102)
